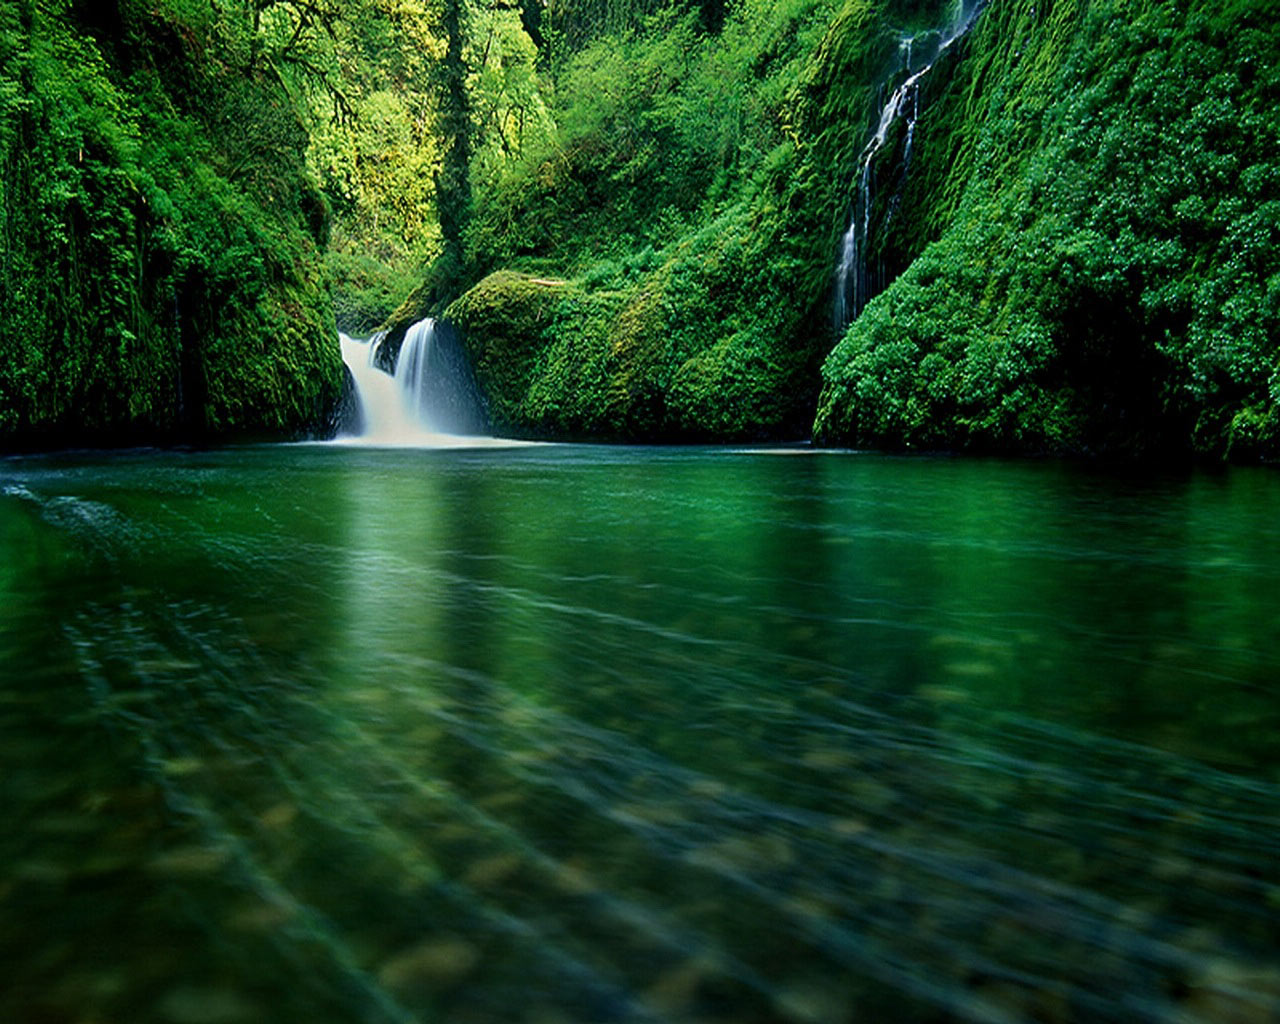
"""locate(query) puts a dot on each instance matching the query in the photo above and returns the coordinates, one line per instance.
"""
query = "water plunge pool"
(561, 733)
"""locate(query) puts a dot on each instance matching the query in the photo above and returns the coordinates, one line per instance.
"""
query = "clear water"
(551, 734)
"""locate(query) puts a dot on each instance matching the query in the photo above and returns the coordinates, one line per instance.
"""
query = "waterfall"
(415, 355)
(428, 402)
(854, 281)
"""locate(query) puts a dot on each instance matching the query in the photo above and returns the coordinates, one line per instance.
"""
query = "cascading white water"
(393, 409)
(853, 280)
(411, 368)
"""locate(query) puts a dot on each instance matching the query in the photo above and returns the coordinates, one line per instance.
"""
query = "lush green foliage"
(633, 209)
(655, 133)
(434, 96)
(1112, 279)
(689, 191)
(159, 241)
(1082, 252)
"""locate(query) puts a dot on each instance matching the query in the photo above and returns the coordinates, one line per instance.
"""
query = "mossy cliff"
(159, 240)
(1083, 255)
(676, 354)
(1110, 278)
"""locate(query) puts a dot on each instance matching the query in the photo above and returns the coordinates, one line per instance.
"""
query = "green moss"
(1105, 282)
(158, 235)
(675, 356)
(503, 320)
(1083, 254)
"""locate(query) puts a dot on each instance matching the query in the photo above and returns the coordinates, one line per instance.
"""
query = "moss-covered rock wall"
(159, 241)
(714, 328)
(1081, 254)
(1110, 279)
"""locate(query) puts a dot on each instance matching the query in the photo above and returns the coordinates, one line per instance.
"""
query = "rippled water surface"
(557, 734)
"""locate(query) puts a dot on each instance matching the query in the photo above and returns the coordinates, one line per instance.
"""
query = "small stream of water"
(856, 284)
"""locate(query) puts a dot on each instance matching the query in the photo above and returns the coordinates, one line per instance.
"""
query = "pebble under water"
(572, 734)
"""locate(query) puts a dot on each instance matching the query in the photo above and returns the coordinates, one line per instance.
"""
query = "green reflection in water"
(610, 735)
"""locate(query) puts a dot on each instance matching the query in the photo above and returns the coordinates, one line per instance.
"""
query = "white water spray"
(411, 370)
(394, 410)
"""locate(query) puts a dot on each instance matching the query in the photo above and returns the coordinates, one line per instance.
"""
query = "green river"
(549, 734)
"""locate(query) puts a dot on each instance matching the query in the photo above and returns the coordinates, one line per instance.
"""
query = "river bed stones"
(207, 1005)
(438, 962)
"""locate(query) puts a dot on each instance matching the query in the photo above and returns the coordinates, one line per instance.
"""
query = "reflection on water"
(565, 734)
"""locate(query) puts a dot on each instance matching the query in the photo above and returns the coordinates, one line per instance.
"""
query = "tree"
(453, 183)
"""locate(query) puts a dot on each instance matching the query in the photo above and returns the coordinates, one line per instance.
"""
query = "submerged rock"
(436, 963)
(198, 1005)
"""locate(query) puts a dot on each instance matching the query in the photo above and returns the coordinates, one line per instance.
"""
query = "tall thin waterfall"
(854, 281)
(429, 401)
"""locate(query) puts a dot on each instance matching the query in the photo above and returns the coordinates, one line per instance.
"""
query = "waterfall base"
(430, 402)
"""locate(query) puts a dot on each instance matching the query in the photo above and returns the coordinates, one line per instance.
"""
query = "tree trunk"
(453, 184)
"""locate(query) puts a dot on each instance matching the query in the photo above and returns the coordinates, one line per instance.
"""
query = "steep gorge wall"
(159, 243)
(1083, 255)
(1109, 280)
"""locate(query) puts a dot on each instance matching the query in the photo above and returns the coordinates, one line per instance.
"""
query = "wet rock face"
(449, 386)
(347, 416)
